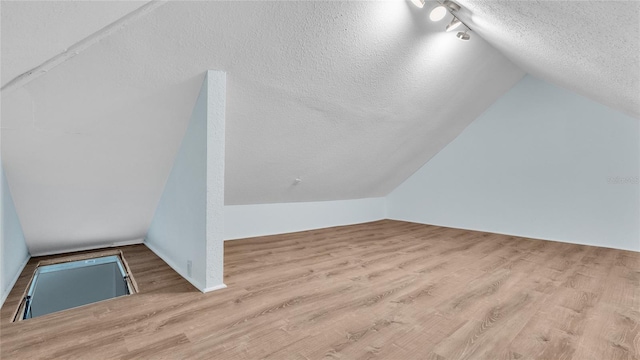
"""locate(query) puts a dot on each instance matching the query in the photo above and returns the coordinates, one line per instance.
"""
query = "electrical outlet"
(189, 265)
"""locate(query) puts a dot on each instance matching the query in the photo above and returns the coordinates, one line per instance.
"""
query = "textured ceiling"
(35, 31)
(589, 47)
(350, 97)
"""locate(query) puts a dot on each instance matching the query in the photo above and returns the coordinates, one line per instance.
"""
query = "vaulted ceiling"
(350, 97)
(589, 47)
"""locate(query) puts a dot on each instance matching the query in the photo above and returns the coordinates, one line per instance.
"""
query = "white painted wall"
(541, 162)
(178, 230)
(13, 249)
(88, 152)
(216, 121)
(187, 225)
(242, 221)
(353, 105)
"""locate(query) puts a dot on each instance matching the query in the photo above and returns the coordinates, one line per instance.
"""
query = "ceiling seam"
(82, 45)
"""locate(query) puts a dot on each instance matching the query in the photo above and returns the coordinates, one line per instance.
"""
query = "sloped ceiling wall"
(351, 97)
(589, 47)
(35, 31)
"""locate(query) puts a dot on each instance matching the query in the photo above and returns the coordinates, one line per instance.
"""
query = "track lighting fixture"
(418, 3)
(451, 6)
(440, 12)
(463, 35)
(454, 24)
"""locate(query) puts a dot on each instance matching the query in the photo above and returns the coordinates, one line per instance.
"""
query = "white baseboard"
(525, 236)
(91, 247)
(214, 288)
(174, 266)
(5, 292)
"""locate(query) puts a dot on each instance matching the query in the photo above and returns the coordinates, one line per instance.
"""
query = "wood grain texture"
(383, 290)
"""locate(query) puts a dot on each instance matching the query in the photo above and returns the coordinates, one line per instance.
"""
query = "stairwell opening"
(72, 281)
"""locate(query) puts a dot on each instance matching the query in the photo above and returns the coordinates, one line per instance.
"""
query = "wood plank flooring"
(383, 290)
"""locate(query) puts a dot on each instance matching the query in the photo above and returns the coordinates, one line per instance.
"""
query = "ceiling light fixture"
(418, 3)
(454, 24)
(463, 35)
(438, 13)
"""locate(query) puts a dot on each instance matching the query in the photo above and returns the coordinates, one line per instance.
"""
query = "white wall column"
(188, 225)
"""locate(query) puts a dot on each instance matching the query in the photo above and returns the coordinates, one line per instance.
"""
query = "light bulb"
(454, 24)
(463, 36)
(438, 13)
(418, 3)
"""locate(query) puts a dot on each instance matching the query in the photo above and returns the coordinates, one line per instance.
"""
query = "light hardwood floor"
(383, 290)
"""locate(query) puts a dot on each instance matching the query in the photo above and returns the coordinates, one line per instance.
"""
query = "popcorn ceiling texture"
(589, 47)
(35, 31)
(350, 97)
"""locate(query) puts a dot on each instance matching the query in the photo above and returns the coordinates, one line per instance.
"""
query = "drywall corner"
(14, 253)
(187, 227)
(178, 229)
(215, 159)
(169, 259)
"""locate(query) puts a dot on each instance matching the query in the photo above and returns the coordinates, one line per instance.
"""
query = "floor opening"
(69, 282)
